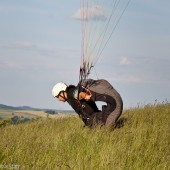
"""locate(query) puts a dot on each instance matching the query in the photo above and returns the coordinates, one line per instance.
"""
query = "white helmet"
(58, 88)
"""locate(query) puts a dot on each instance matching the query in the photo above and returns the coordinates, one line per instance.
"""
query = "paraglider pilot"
(82, 99)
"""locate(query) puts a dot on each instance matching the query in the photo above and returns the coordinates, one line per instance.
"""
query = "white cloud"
(134, 79)
(127, 79)
(91, 13)
(20, 45)
(24, 43)
(125, 61)
(15, 65)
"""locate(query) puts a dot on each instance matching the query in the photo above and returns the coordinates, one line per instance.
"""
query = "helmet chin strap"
(63, 96)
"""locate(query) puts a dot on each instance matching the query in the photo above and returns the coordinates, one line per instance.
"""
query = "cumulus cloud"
(125, 61)
(91, 13)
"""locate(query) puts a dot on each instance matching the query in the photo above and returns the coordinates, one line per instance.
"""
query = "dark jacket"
(85, 109)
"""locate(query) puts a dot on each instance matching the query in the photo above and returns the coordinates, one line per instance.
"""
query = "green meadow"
(141, 141)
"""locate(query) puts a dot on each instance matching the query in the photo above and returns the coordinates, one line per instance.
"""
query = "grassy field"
(30, 114)
(142, 142)
(6, 114)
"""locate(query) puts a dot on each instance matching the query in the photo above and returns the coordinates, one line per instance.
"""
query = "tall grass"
(142, 143)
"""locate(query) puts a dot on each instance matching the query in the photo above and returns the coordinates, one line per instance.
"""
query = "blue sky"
(40, 45)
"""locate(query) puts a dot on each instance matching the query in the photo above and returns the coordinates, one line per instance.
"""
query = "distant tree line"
(52, 112)
(14, 120)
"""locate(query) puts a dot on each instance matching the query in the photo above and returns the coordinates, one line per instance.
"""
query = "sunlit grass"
(142, 143)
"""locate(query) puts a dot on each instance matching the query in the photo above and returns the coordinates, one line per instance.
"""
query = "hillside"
(5, 107)
(140, 142)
